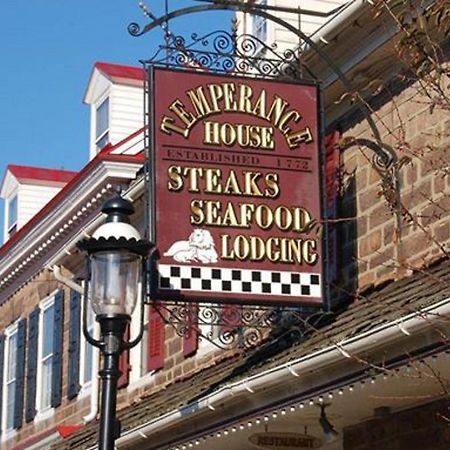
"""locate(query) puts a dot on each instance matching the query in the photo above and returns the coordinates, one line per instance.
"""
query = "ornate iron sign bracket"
(226, 52)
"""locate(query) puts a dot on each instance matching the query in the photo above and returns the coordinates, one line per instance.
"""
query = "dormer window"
(12, 215)
(102, 124)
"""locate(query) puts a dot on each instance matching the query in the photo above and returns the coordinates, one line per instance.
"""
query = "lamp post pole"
(113, 330)
(115, 256)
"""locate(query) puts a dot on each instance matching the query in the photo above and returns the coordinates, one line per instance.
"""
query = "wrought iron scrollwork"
(223, 52)
(240, 326)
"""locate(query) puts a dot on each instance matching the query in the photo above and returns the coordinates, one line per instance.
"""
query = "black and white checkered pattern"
(238, 281)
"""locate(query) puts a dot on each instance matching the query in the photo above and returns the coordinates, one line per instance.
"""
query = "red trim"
(34, 439)
(109, 148)
(67, 430)
(40, 173)
(120, 71)
(155, 340)
(102, 156)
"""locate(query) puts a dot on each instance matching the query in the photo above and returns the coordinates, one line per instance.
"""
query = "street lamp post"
(116, 259)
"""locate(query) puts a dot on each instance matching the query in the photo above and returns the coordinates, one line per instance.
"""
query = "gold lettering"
(302, 220)
(260, 106)
(180, 110)
(199, 101)
(247, 210)
(310, 252)
(212, 185)
(276, 110)
(272, 254)
(273, 189)
(295, 250)
(251, 185)
(229, 218)
(263, 217)
(216, 93)
(212, 212)
(197, 215)
(295, 139)
(245, 95)
(267, 137)
(228, 97)
(232, 185)
(175, 182)
(168, 125)
(274, 249)
(283, 218)
(194, 173)
(228, 134)
(290, 115)
(211, 133)
(257, 248)
(241, 247)
(224, 240)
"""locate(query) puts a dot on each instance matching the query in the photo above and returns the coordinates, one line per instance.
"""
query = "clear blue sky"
(48, 49)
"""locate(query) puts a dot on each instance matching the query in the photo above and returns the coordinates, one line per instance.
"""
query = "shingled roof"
(381, 305)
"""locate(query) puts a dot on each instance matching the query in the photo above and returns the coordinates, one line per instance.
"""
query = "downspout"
(336, 20)
(93, 409)
(406, 325)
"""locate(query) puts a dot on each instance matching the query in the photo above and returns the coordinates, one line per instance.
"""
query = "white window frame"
(259, 22)
(86, 385)
(12, 227)
(12, 330)
(43, 412)
(138, 376)
(98, 137)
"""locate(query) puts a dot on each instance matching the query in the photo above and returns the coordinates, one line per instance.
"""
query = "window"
(139, 354)
(144, 345)
(12, 215)
(259, 25)
(9, 387)
(87, 352)
(102, 124)
(45, 355)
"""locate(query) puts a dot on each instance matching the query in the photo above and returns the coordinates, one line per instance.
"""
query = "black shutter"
(58, 329)
(73, 382)
(2, 360)
(33, 335)
(20, 374)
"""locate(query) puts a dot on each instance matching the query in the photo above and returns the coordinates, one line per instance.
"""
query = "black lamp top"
(118, 209)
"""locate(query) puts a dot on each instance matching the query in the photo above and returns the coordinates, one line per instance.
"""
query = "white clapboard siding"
(282, 37)
(31, 199)
(126, 111)
(306, 23)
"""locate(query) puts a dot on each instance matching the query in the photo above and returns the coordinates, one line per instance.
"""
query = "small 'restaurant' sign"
(236, 188)
(284, 441)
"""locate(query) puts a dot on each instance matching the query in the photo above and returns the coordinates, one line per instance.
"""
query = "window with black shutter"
(20, 374)
(73, 382)
(58, 325)
(33, 336)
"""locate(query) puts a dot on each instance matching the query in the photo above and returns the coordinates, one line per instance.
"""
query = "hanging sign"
(236, 198)
(284, 441)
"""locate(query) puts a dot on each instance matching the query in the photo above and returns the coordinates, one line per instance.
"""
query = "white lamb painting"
(199, 247)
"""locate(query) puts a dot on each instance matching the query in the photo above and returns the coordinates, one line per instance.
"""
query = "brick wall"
(421, 428)
(374, 245)
(71, 412)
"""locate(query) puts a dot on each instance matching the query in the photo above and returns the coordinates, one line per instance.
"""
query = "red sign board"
(236, 188)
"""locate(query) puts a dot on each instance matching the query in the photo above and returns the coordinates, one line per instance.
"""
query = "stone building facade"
(378, 365)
